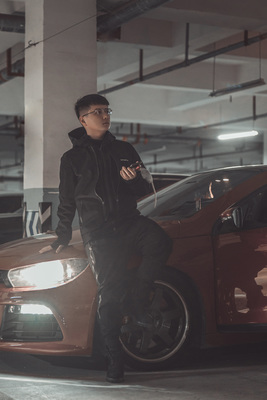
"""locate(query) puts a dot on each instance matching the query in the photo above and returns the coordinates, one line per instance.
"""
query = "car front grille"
(17, 326)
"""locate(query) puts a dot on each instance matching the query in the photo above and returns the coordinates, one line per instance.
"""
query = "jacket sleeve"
(139, 186)
(67, 207)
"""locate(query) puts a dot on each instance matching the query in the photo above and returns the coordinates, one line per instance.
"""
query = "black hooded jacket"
(103, 204)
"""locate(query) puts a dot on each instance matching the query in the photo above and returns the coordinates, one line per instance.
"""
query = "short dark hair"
(87, 101)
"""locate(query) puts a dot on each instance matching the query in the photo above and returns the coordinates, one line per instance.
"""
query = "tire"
(174, 310)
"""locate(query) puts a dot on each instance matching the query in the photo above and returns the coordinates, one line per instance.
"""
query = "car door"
(240, 257)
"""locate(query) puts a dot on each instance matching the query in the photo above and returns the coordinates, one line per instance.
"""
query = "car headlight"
(47, 274)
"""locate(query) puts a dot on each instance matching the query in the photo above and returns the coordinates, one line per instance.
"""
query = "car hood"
(26, 251)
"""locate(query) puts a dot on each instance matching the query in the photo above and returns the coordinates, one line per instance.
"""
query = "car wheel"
(165, 340)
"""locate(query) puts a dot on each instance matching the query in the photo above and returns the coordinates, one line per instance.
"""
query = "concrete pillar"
(60, 67)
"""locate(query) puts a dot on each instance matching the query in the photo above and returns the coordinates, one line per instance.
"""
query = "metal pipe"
(4, 178)
(184, 64)
(11, 165)
(231, 121)
(141, 58)
(204, 139)
(186, 43)
(9, 123)
(254, 108)
(246, 38)
(9, 132)
(227, 153)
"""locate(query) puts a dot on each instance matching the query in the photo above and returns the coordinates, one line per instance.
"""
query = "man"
(97, 179)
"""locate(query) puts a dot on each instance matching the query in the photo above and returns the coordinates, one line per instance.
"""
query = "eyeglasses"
(99, 111)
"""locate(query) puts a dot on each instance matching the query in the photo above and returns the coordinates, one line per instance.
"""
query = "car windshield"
(185, 198)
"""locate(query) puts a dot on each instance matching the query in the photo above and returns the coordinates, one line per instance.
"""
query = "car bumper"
(51, 321)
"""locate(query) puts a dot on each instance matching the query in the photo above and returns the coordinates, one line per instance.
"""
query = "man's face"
(96, 120)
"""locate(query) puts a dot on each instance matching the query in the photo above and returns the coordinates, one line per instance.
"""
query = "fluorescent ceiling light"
(236, 88)
(237, 135)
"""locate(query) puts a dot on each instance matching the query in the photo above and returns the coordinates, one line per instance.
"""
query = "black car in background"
(11, 224)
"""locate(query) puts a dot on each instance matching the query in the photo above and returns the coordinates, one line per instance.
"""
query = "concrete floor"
(234, 374)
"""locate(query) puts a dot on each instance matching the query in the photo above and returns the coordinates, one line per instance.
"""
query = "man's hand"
(128, 173)
(50, 248)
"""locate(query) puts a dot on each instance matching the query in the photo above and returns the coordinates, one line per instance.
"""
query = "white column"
(60, 67)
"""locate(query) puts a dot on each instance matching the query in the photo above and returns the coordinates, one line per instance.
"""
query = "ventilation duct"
(105, 23)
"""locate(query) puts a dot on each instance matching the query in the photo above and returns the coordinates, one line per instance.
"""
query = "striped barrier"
(45, 217)
(35, 222)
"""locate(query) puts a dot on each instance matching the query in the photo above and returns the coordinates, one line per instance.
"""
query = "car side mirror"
(237, 216)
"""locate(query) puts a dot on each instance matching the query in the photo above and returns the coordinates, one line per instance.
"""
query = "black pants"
(109, 258)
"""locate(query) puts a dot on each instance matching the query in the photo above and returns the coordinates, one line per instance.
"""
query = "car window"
(253, 211)
(189, 196)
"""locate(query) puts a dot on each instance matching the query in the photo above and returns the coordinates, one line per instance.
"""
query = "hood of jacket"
(79, 137)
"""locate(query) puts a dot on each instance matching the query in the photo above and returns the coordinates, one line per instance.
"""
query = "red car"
(213, 290)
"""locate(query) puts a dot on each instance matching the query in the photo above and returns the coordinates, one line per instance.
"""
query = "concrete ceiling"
(169, 115)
